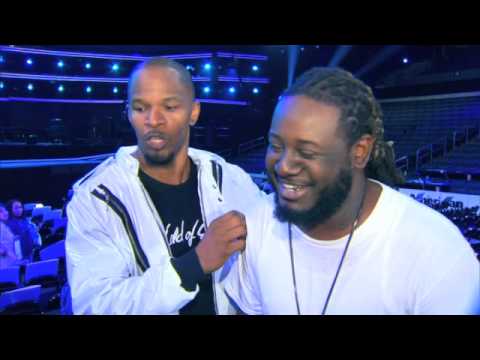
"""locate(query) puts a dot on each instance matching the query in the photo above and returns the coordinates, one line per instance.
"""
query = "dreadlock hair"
(360, 114)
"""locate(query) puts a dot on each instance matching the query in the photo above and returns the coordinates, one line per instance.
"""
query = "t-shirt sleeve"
(452, 286)
(241, 283)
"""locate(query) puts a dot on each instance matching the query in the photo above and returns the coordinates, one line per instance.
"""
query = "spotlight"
(231, 90)
(115, 67)
(60, 88)
(115, 90)
(2, 59)
(207, 66)
(206, 90)
(60, 64)
(405, 60)
(29, 61)
(255, 68)
(255, 90)
(88, 89)
(2, 85)
(190, 67)
(88, 66)
(30, 87)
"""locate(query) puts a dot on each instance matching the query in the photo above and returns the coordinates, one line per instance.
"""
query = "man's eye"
(307, 154)
(275, 147)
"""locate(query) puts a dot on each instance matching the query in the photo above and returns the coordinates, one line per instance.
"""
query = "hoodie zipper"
(202, 208)
(116, 205)
(157, 218)
(161, 226)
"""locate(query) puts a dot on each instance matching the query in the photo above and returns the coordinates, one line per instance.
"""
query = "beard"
(154, 159)
(167, 155)
(328, 202)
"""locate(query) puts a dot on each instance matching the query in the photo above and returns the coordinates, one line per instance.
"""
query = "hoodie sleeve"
(102, 273)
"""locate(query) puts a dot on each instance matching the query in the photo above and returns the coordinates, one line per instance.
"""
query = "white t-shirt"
(404, 259)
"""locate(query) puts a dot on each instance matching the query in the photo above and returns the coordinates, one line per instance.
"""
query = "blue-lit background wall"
(87, 91)
(60, 104)
(69, 100)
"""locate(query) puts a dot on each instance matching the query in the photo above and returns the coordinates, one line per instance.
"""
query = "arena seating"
(35, 287)
(413, 123)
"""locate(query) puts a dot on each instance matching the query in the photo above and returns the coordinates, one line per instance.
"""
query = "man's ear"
(195, 113)
(362, 150)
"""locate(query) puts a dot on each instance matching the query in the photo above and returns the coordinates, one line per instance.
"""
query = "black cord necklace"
(292, 261)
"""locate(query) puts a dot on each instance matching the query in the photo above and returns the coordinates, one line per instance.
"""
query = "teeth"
(291, 187)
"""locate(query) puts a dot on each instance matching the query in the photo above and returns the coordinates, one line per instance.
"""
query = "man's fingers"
(230, 216)
(236, 232)
(228, 224)
(237, 245)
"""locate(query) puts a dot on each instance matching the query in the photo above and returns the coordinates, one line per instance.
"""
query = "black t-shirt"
(179, 209)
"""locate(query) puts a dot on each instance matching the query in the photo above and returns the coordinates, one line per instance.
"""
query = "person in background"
(23, 228)
(8, 256)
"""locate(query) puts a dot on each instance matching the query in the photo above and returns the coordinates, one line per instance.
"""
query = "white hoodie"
(118, 261)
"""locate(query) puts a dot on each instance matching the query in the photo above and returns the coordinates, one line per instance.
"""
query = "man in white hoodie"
(152, 230)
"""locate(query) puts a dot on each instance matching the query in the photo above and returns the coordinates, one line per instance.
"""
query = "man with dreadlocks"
(335, 237)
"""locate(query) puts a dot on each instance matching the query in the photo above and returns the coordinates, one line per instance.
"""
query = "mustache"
(289, 180)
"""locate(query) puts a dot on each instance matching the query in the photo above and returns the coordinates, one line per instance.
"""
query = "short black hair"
(9, 206)
(184, 74)
(360, 114)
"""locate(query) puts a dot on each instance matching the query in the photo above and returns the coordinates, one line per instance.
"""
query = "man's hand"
(225, 235)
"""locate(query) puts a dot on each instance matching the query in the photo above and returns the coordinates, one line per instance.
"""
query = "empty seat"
(21, 301)
(9, 278)
(43, 273)
(54, 251)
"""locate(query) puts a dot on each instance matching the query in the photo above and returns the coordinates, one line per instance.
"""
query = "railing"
(402, 164)
(423, 153)
(252, 144)
(441, 146)
(35, 163)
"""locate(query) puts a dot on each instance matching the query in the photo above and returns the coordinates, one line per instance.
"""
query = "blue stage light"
(255, 90)
(29, 61)
(60, 64)
(115, 90)
(88, 66)
(30, 87)
(405, 60)
(60, 88)
(115, 67)
(207, 66)
(255, 68)
(88, 89)
(206, 90)
(2, 85)
(231, 90)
